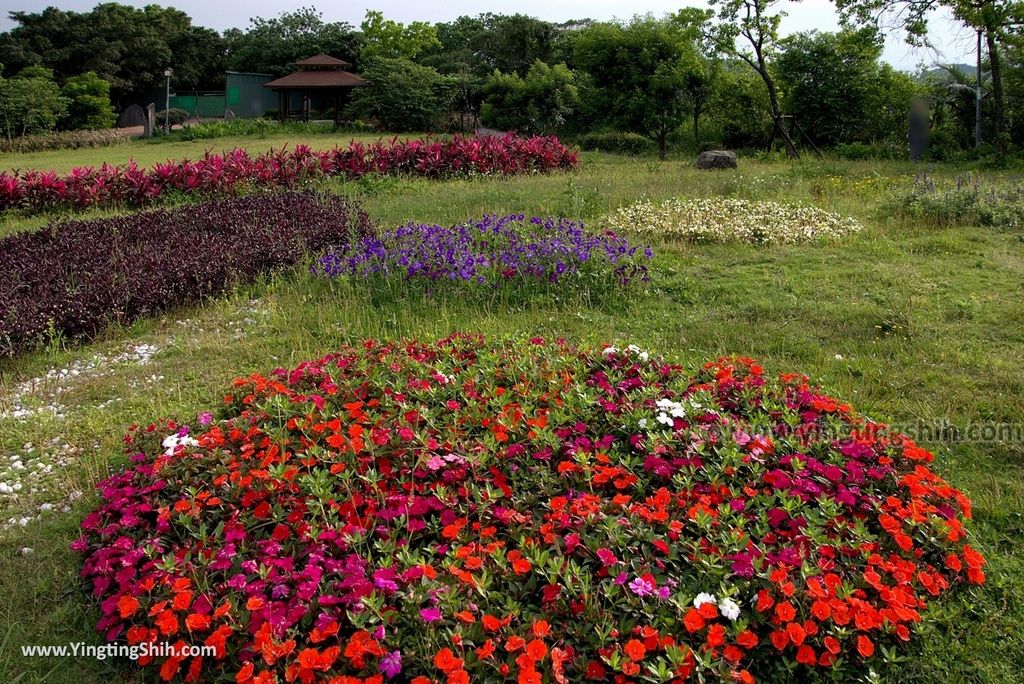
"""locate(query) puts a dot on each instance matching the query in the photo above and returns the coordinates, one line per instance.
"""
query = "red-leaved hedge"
(72, 278)
(237, 170)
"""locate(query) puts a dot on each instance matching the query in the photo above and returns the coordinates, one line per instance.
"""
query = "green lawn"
(907, 321)
(149, 152)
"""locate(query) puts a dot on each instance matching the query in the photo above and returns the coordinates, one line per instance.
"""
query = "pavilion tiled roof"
(320, 61)
(317, 79)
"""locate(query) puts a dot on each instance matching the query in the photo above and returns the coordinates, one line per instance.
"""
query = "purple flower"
(391, 664)
(205, 418)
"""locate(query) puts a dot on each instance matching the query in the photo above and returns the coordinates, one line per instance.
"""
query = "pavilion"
(322, 78)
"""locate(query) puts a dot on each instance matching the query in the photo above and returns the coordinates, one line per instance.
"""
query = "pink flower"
(432, 614)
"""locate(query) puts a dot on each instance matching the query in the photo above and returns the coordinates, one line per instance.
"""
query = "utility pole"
(167, 101)
(977, 98)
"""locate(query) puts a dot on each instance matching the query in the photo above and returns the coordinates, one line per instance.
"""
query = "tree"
(125, 46)
(271, 46)
(995, 20)
(539, 103)
(30, 103)
(390, 39)
(403, 96)
(755, 23)
(512, 43)
(88, 98)
(836, 86)
(639, 73)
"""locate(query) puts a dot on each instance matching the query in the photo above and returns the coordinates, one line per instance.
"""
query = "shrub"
(495, 251)
(402, 95)
(89, 105)
(73, 278)
(236, 170)
(63, 140)
(524, 512)
(965, 201)
(731, 220)
(616, 141)
(541, 102)
(177, 116)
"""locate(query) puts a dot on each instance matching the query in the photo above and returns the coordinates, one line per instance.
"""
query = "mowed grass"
(906, 321)
(148, 152)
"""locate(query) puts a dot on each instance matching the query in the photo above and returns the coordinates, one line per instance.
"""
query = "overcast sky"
(954, 43)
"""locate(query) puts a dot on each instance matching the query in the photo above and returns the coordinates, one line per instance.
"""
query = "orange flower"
(536, 649)
(865, 647)
(541, 628)
(747, 639)
(197, 622)
(491, 623)
(127, 605)
(635, 650)
(716, 636)
(445, 661)
(820, 610)
(693, 621)
(514, 643)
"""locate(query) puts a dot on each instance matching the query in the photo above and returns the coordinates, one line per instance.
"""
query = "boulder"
(716, 159)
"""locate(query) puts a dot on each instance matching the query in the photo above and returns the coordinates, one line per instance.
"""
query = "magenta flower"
(432, 614)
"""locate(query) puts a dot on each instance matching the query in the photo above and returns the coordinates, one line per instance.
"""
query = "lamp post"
(167, 101)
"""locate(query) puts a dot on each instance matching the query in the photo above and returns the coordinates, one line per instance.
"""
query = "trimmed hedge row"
(71, 279)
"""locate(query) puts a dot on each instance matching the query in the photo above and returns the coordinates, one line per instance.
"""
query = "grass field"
(908, 321)
(148, 152)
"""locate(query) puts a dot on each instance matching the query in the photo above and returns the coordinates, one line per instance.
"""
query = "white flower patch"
(731, 220)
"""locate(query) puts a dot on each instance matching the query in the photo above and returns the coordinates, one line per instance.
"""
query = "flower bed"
(235, 170)
(492, 250)
(72, 278)
(528, 511)
(731, 220)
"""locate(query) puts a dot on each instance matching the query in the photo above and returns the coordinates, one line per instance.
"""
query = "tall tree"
(996, 20)
(836, 85)
(639, 73)
(392, 40)
(125, 46)
(749, 30)
(271, 46)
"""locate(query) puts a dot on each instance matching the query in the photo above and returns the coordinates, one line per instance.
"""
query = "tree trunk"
(696, 125)
(662, 145)
(997, 90)
(773, 99)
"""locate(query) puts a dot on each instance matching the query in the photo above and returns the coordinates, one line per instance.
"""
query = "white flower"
(729, 608)
(664, 419)
(633, 348)
(703, 598)
(609, 351)
(839, 357)
(172, 442)
(642, 423)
